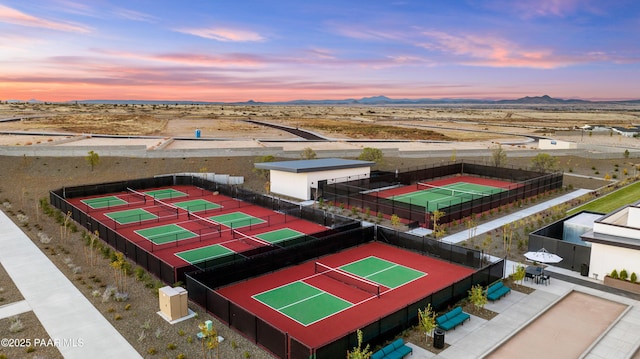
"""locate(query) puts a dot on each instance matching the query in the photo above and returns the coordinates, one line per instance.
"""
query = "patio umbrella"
(543, 256)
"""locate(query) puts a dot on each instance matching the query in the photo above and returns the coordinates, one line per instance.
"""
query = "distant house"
(626, 131)
(615, 242)
(299, 179)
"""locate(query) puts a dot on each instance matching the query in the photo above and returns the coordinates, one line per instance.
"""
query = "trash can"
(198, 133)
(438, 338)
(584, 270)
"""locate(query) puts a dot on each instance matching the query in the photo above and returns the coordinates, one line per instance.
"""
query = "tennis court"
(331, 290)
(197, 205)
(131, 216)
(279, 235)
(236, 219)
(166, 193)
(204, 253)
(103, 202)
(165, 234)
(435, 197)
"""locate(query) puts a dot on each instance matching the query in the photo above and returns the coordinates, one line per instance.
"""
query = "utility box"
(173, 302)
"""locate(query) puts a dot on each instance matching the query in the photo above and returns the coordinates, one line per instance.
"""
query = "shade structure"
(543, 256)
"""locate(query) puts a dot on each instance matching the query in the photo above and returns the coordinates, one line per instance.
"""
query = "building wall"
(554, 144)
(298, 185)
(289, 184)
(616, 230)
(605, 258)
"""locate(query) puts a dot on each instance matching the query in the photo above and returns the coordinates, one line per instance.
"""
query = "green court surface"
(165, 234)
(196, 205)
(165, 193)
(307, 304)
(236, 219)
(131, 216)
(279, 235)
(388, 274)
(104, 202)
(447, 195)
(204, 253)
(302, 302)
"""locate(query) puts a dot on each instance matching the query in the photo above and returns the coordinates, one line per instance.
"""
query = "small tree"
(427, 321)
(478, 296)
(209, 339)
(626, 153)
(359, 352)
(519, 273)
(93, 159)
(395, 221)
(544, 162)
(262, 172)
(438, 229)
(634, 277)
(308, 154)
(498, 156)
(371, 154)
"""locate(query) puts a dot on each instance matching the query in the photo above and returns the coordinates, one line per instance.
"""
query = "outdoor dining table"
(533, 272)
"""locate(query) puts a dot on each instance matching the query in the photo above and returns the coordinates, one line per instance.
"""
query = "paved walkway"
(478, 337)
(64, 312)
(499, 222)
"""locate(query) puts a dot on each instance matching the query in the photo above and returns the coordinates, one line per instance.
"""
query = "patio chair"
(545, 278)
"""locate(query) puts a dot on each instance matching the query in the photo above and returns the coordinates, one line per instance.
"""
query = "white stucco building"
(615, 242)
(298, 179)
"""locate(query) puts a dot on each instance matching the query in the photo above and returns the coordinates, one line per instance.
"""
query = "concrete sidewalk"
(515, 216)
(64, 312)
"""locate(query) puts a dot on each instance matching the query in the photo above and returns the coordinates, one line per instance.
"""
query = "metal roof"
(323, 164)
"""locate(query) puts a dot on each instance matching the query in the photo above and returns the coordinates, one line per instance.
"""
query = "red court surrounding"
(449, 180)
(206, 235)
(440, 274)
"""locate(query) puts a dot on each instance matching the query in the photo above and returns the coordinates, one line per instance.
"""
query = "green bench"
(396, 350)
(452, 318)
(497, 291)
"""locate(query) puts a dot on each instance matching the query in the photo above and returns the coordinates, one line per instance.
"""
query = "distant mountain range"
(375, 100)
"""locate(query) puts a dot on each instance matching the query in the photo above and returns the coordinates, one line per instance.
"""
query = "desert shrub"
(614, 274)
(624, 275)
(121, 297)
(139, 273)
(16, 325)
(171, 346)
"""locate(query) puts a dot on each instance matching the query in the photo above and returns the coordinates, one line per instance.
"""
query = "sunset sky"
(212, 50)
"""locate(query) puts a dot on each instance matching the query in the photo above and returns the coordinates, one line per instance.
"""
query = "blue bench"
(497, 291)
(452, 319)
(396, 350)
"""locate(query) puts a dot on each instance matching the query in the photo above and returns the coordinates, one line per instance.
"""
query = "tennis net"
(166, 206)
(205, 222)
(348, 278)
(141, 196)
(252, 241)
(449, 191)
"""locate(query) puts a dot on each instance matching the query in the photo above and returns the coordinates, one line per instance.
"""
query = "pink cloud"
(16, 17)
(363, 33)
(544, 8)
(490, 51)
(224, 34)
(134, 15)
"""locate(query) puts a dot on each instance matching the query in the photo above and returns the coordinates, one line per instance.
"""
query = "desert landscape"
(26, 180)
